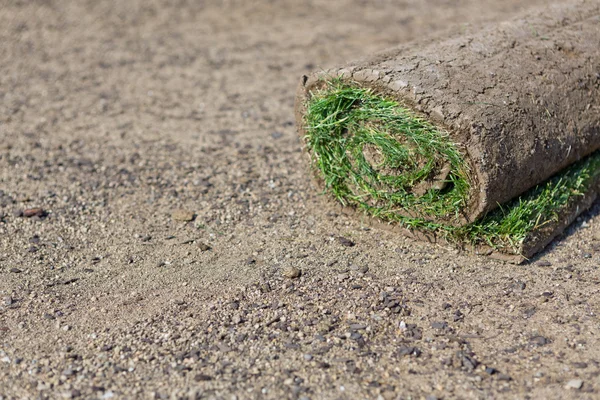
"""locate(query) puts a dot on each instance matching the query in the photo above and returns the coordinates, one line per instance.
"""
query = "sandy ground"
(119, 119)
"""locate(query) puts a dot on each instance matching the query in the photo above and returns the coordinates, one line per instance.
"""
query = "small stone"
(15, 270)
(342, 277)
(204, 246)
(323, 327)
(439, 325)
(345, 242)
(458, 316)
(291, 272)
(203, 377)
(388, 394)
(308, 357)
(66, 328)
(7, 301)
(183, 215)
(68, 394)
(539, 341)
(574, 384)
(580, 365)
(409, 351)
(34, 212)
(467, 361)
(265, 287)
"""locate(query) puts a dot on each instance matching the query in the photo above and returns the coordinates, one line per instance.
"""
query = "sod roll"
(487, 138)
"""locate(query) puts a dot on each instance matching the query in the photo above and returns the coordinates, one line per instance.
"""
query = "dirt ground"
(119, 119)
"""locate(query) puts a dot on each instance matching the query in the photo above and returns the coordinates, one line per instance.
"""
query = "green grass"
(381, 158)
(344, 121)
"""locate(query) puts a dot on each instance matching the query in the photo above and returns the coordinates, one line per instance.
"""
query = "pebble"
(204, 246)
(574, 384)
(342, 277)
(7, 301)
(544, 263)
(504, 377)
(202, 377)
(439, 325)
(363, 270)
(34, 212)
(323, 327)
(291, 272)
(15, 270)
(409, 351)
(539, 341)
(345, 242)
(183, 215)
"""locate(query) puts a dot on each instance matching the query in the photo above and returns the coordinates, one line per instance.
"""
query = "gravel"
(118, 115)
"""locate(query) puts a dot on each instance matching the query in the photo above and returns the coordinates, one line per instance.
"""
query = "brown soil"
(115, 117)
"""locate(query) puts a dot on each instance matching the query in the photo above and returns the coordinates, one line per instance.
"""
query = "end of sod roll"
(374, 155)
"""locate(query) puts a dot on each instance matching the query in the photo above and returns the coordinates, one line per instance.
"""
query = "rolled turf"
(487, 140)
